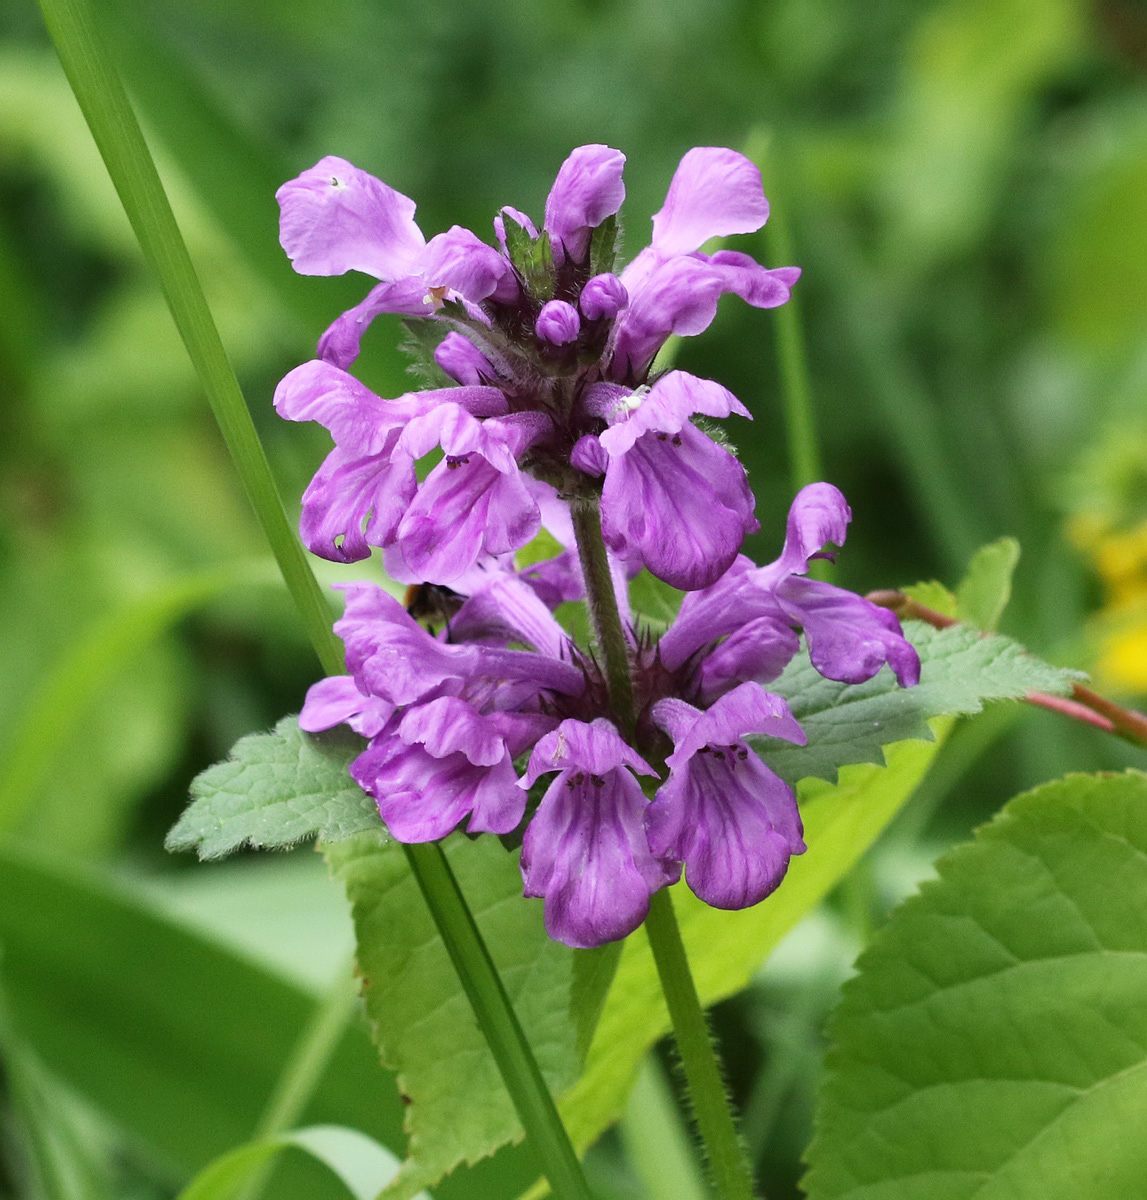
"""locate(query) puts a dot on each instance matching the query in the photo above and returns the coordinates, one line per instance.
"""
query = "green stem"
(731, 1173)
(483, 986)
(656, 1139)
(603, 611)
(104, 102)
(101, 96)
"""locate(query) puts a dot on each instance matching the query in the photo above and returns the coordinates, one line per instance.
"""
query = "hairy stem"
(731, 1174)
(113, 124)
(603, 611)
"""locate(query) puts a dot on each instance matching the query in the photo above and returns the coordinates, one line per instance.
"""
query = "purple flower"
(337, 700)
(672, 497)
(849, 637)
(442, 761)
(336, 218)
(587, 190)
(585, 851)
(475, 500)
(673, 288)
(722, 812)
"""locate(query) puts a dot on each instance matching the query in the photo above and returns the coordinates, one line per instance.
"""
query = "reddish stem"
(1086, 705)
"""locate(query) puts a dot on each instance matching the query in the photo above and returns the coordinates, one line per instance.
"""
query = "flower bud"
(603, 296)
(558, 323)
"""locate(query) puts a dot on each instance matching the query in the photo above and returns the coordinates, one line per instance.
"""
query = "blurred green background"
(964, 183)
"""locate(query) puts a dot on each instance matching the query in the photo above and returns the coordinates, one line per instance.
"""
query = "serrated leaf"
(986, 588)
(994, 1043)
(423, 1022)
(276, 789)
(849, 723)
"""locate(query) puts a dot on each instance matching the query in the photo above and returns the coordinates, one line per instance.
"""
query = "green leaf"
(727, 948)
(654, 601)
(556, 993)
(150, 1023)
(850, 723)
(360, 1163)
(994, 1043)
(276, 789)
(986, 588)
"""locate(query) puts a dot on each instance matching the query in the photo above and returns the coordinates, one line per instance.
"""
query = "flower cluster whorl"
(549, 352)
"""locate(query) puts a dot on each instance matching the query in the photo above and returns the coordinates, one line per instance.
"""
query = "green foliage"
(432, 1044)
(276, 789)
(360, 1163)
(726, 948)
(986, 588)
(850, 723)
(993, 1043)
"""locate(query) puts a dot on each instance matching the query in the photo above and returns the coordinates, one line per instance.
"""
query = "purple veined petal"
(595, 747)
(585, 852)
(507, 609)
(465, 507)
(733, 823)
(666, 408)
(449, 725)
(422, 798)
(759, 651)
(337, 700)
(817, 516)
(342, 340)
(589, 456)
(762, 287)
(723, 812)
(714, 192)
(353, 503)
(602, 298)
(556, 580)
(457, 355)
(518, 217)
(335, 218)
(356, 418)
(558, 323)
(588, 188)
(390, 655)
(849, 638)
(710, 613)
(676, 295)
(680, 503)
(748, 708)
(459, 261)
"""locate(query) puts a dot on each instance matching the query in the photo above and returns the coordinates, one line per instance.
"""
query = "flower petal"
(336, 218)
(714, 192)
(588, 188)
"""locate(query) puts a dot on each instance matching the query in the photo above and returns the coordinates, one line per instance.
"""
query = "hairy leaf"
(276, 789)
(458, 1109)
(851, 723)
(994, 1043)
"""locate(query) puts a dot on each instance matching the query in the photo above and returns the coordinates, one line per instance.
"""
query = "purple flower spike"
(558, 323)
(723, 812)
(588, 188)
(336, 218)
(585, 851)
